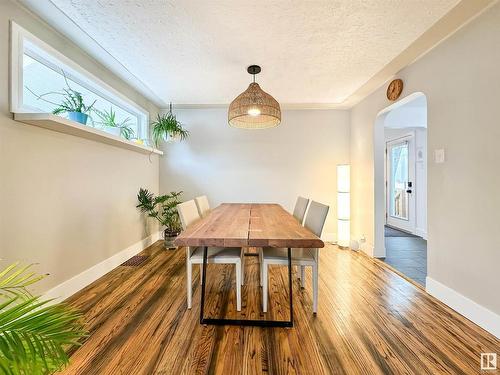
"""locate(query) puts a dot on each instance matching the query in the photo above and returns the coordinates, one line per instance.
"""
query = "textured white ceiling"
(197, 51)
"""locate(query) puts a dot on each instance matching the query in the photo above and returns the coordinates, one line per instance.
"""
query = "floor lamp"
(343, 205)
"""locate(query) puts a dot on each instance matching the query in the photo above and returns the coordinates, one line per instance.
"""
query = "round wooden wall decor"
(394, 89)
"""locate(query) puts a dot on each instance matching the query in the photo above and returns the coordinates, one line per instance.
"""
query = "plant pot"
(169, 138)
(113, 130)
(168, 238)
(78, 117)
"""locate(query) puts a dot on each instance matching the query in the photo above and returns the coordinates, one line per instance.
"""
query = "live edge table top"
(249, 225)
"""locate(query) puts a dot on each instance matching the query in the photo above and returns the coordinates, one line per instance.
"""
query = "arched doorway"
(400, 172)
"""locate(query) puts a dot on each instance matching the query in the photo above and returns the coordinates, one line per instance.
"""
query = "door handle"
(408, 191)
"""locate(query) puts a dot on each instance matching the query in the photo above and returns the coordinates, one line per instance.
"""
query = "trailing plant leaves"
(126, 132)
(108, 119)
(72, 100)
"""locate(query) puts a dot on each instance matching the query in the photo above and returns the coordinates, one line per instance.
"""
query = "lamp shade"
(344, 178)
(254, 109)
(343, 235)
(343, 206)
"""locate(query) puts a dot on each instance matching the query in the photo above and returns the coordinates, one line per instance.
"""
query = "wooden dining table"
(248, 225)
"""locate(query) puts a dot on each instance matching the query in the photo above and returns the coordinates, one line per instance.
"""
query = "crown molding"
(284, 106)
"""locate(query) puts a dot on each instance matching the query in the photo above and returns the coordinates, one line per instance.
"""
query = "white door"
(400, 174)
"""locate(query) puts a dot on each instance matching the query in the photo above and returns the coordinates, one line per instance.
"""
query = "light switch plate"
(439, 156)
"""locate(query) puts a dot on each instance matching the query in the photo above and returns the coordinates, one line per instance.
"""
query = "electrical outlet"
(439, 156)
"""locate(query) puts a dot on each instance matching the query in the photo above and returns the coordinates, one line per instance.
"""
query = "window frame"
(22, 41)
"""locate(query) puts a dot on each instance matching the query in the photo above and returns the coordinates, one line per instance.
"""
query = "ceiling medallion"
(254, 108)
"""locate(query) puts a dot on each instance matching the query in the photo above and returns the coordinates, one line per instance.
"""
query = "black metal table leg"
(245, 322)
(203, 282)
(290, 283)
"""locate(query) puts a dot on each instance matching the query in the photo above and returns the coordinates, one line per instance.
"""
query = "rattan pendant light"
(254, 108)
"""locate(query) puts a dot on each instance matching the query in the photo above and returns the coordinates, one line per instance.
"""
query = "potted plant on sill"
(164, 209)
(167, 128)
(72, 103)
(35, 334)
(110, 124)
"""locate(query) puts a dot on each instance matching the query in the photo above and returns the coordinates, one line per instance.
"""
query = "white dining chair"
(299, 212)
(300, 208)
(315, 220)
(188, 214)
(202, 204)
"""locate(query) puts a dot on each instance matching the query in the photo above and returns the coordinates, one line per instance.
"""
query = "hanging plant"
(167, 125)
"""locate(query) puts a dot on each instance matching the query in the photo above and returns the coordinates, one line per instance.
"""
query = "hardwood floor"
(370, 321)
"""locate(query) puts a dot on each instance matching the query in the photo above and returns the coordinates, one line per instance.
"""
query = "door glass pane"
(399, 181)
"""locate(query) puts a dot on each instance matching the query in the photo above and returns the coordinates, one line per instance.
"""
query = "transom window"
(39, 70)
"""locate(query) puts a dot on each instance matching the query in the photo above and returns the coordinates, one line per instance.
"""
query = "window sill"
(62, 125)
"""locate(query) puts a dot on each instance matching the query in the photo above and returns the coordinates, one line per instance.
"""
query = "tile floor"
(408, 255)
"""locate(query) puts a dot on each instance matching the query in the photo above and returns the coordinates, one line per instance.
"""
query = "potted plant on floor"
(110, 124)
(164, 209)
(34, 334)
(167, 128)
(72, 103)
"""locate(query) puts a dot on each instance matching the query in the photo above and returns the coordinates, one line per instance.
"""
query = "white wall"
(420, 183)
(67, 203)
(457, 77)
(408, 114)
(299, 157)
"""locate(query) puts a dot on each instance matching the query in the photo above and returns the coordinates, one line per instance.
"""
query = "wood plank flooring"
(370, 321)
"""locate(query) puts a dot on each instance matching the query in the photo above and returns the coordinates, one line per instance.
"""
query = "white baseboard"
(478, 314)
(377, 252)
(421, 233)
(80, 281)
(329, 237)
